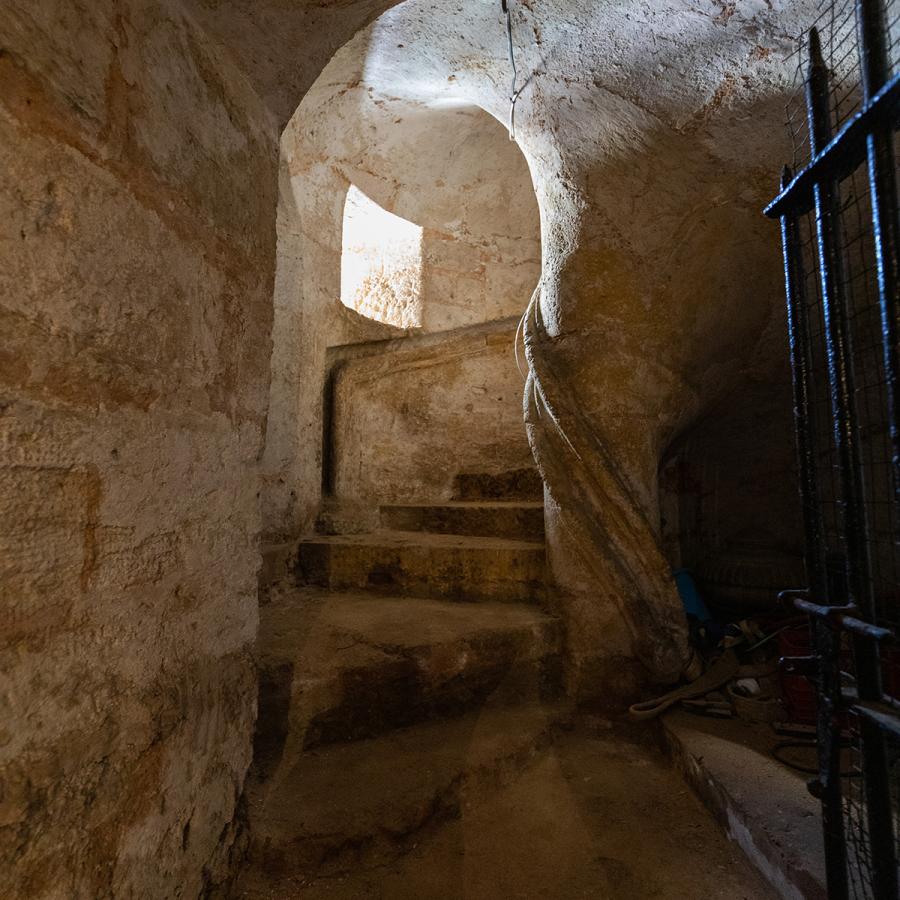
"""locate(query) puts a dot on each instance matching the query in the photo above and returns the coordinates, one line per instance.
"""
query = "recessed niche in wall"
(381, 263)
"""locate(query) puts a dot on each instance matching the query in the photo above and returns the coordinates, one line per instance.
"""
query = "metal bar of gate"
(843, 402)
(837, 336)
(828, 787)
(875, 72)
(843, 154)
(801, 370)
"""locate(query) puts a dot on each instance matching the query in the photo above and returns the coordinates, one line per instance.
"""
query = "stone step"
(347, 805)
(517, 520)
(342, 667)
(516, 484)
(451, 567)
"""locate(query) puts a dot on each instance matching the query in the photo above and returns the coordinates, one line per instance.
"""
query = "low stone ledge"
(763, 805)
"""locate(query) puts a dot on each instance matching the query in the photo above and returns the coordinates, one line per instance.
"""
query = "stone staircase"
(402, 671)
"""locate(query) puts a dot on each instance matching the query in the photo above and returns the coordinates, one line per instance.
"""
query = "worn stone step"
(340, 667)
(452, 567)
(522, 520)
(516, 484)
(346, 805)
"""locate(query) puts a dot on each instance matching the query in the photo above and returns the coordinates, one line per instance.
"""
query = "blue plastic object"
(690, 596)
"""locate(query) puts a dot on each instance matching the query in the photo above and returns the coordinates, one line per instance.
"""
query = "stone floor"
(597, 813)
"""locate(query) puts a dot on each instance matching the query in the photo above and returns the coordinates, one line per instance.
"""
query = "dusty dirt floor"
(600, 814)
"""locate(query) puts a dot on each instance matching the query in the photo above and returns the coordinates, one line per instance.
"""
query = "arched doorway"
(400, 221)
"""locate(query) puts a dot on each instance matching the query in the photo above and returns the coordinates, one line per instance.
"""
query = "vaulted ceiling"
(283, 45)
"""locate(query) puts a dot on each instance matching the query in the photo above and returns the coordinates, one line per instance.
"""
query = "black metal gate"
(839, 224)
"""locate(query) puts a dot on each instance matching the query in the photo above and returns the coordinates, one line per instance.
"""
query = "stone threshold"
(763, 805)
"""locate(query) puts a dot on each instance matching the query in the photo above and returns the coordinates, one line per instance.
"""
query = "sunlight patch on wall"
(381, 263)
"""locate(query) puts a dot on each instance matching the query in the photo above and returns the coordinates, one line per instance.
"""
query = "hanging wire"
(514, 91)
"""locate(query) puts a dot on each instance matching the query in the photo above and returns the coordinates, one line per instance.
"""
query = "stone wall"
(136, 256)
(408, 419)
(381, 263)
(730, 498)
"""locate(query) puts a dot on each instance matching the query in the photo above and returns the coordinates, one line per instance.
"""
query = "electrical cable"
(520, 335)
(806, 745)
(514, 91)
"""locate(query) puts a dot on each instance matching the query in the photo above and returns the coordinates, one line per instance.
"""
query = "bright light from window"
(381, 263)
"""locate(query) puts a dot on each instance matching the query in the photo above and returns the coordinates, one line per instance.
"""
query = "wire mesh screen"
(870, 577)
(860, 862)
(881, 516)
(836, 24)
(870, 395)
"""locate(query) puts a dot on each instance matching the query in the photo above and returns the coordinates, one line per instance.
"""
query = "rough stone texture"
(264, 37)
(340, 806)
(136, 254)
(381, 263)
(652, 143)
(339, 667)
(413, 417)
(449, 566)
(660, 280)
(764, 806)
(451, 171)
(593, 815)
(501, 519)
(514, 484)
